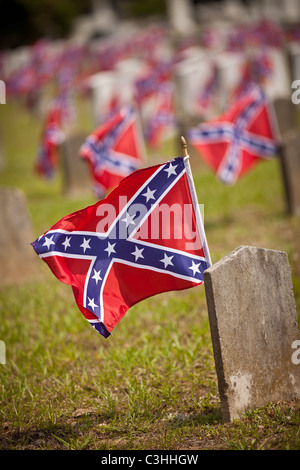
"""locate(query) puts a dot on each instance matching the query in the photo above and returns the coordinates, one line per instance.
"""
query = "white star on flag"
(49, 241)
(171, 170)
(85, 244)
(66, 243)
(138, 253)
(97, 276)
(149, 194)
(167, 260)
(92, 304)
(129, 219)
(195, 268)
(110, 248)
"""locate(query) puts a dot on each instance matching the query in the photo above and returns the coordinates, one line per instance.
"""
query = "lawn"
(152, 384)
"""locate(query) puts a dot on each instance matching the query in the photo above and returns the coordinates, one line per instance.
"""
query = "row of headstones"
(77, 178)
(75, 171)
(279, 91)
(191, 73)
(194, 70)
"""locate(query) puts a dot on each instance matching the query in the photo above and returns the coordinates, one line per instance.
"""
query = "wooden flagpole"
(186, 159)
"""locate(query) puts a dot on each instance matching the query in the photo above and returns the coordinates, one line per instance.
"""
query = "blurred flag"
(114, 150)
(52, 136)
(256, 71)
(150, 80)
(162, 116)
(205, 102)
(263, 67)
(239, 138)
(65, 93)
(116, 252)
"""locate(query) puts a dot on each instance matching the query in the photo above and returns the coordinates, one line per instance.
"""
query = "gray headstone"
(293, 53)
(103, 86)
(230, 66)
(253, 323)
(127, 71)
(290, 11)
(191, 75)
(104, 16)
(75, 170)
(17, 259)
(181, 16)
(2, 154)
(289, 154)
(286, 115)
(278, 85)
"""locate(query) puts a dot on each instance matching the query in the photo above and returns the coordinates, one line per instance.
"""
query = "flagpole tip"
(184, 146)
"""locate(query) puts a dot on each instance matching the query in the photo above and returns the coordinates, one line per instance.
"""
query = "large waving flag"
(240, 138)
(144, 238)
(114, 150)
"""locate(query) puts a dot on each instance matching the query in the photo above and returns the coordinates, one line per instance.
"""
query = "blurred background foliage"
(28, 20)
(25, 21)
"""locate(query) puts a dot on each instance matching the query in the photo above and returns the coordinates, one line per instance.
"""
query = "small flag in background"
(241, 137)
(256, 71)
(122, 249)
(205, 102)
(52, 136)
(162, 117)
(114, 150)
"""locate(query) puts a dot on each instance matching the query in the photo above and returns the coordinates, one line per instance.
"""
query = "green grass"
(152, 384)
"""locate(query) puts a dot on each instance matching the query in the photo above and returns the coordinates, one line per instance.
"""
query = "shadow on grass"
(210, 414)
(36, 438)
(95, 431)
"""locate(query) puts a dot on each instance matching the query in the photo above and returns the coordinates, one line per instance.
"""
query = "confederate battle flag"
(241, 137)
(53, 135)
(114, 150)
(144, 238)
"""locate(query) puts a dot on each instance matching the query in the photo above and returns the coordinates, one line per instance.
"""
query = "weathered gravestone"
(191, 75)
(286, 115)
(293, 54)
(181, 16)
(127, 71)
(2, 155)
(103, 87)
(75, 170)
(253, 323)
(230, 70)
(17, 259)
(278, 84)
(289, 156)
